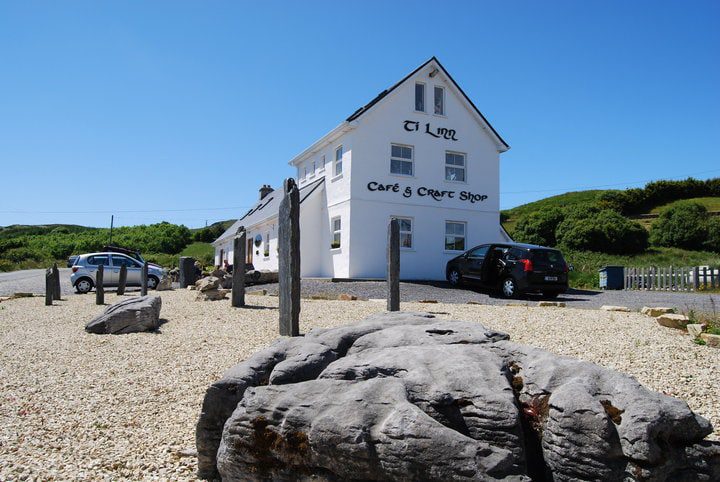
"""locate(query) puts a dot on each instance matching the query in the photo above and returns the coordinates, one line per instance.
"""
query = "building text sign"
(438, 133)
(422, 191)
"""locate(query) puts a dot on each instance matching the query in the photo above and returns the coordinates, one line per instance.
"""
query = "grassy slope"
(710, 203)
(559, 201)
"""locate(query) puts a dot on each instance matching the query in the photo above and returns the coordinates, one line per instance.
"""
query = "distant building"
(420, 152)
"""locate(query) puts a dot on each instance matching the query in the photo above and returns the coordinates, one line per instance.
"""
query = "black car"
(512, 269)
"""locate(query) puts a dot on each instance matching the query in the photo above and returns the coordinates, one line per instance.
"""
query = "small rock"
(427, 301)
(211, 295)
(521, 304)
(624, 309)
(558, 304)
(671, 320)
(257, 293)
(22, 295)
(128, 316)
(694, 329)
(471, 302)
(710, 339)
(191, 288)
(656, 311)
(346, 297)
(208, 283)
(219, 273)
(165, 284)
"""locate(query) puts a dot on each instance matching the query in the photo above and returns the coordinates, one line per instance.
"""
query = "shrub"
(683, 225)
(712, 242)
(601, 230)
(539, 227)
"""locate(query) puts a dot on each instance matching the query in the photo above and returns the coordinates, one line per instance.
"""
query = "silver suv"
(85, 268)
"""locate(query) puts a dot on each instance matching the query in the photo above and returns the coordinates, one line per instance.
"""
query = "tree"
(683, 225)
(601, 230)
(539, 227)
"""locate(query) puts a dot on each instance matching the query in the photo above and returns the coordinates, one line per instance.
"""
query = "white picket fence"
(672, 278)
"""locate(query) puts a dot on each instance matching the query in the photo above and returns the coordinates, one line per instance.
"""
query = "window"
(479, 252)
(454, 166)
(336, 233)
(439, 101)
(304, 172)
(98, 260)
(454, 236)
(338, 160)
(123, 260)
(322, 165)
(314, 167)
(266, 250)
(420, 97)
(406, 240)
(401, 160)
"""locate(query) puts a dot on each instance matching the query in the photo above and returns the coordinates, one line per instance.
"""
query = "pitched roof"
(267, 208)
(385, 92)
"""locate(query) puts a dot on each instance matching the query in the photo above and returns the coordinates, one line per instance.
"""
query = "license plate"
(551, 278)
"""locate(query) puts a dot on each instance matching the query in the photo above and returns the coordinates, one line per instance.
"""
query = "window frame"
(411, 232)
(442, 89)
(424, 97)
(464, 236)
(402, 159)
(334, 232)
(322, 164)
(337, 161)
(454, 166)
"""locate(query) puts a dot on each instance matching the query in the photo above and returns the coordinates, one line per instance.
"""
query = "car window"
(513, 254)
(122, 260)
(548, 256)
(478, 252)
(98, 260)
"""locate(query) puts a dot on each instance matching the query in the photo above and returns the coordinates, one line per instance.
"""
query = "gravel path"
(80, 406)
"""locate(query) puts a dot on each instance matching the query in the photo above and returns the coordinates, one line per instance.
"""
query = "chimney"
(265, 190)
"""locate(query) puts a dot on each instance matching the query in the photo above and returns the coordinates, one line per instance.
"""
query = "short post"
(122, 281)
(393, 266)
(144, 280)
(187, 271)
(696, 278)
(49, 287)
(56, 281)
(289, 259)
(238, 287)
(705, 283)
(99, 288)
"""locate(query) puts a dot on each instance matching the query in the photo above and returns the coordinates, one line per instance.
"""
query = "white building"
(420, 152)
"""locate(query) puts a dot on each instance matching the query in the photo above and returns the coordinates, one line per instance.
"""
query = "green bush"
(683, 225)
(539, 227)
(657, 193)
(601, 230)
(712, 242)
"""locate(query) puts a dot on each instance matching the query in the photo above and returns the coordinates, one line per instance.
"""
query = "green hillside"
(710, 203)
(511, 216)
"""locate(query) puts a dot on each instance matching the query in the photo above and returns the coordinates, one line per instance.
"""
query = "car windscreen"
(548, 257)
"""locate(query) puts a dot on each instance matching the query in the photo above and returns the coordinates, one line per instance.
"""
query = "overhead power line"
(160, 211)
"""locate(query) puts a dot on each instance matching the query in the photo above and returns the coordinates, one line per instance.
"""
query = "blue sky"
(179, 111)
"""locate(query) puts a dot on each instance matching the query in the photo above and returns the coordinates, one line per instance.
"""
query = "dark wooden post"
(144, 280)
(56, 282)
(696, 278)
(99, 288)
(187, 271)
(238, 287)
(49, 287)
(393, 266)
(289, 259)
(122, 281)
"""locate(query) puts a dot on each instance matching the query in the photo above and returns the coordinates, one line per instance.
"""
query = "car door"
(134, 270)
(100, 259)
(472, 266)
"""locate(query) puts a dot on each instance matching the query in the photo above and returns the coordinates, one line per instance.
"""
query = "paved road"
(33, 281)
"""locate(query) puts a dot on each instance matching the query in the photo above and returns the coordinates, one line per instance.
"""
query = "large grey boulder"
(410, 397)
(128, 316)
(261, 277)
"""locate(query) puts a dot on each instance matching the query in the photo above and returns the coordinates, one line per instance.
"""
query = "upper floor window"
(401, 160)
(322, 165)
(266, 249)
(305, 173)
(406, 236)
(420, 97)
(454, 236)
(336, 232)
(313, 169)
(338, 160)
(439, 100)
(454, 166)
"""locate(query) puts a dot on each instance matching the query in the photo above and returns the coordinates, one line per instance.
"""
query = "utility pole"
(112, 219)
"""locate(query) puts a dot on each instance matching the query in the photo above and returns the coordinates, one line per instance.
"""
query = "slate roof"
(267, 208)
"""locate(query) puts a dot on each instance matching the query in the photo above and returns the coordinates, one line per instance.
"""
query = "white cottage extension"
(420, 152)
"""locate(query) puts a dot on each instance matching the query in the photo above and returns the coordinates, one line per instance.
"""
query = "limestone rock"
(211, 295)
(405, 396)
(257, 293)
(207, 283)
(226, 282)
(623, 309)
(165, 284)
(428, 301)
(218, 273)
(347, 297)
(261, 277)
(694, 329)
(559, 304)
(656, 311)
(128, 316)
(672, 320)
(710, 339)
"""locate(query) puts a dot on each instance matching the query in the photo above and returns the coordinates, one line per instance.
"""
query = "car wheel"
(454, 277)
(508, 288)
(152, 282)
(83, 286)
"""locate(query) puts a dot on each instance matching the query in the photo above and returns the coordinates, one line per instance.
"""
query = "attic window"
(420, 97)
(439, 101)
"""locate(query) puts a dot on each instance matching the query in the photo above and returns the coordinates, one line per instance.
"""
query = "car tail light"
(566, 268)
(527, 265)
(74, 269)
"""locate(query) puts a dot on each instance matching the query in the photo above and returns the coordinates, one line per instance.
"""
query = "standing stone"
(99, 289)
(238, 276)
(122, 281)
(144, 280)
(393, 266)
(49, 287)
(289, 259)
(56, 282)
(187, 271)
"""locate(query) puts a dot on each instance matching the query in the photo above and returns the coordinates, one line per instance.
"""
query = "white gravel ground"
(101, 407)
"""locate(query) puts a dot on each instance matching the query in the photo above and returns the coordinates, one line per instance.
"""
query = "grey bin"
(612, 277)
